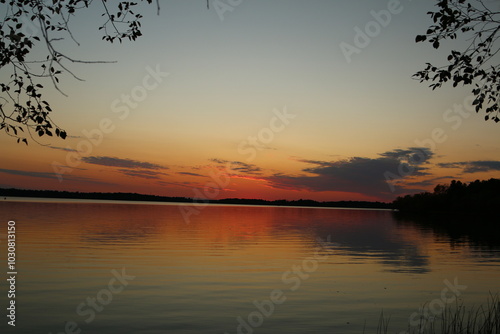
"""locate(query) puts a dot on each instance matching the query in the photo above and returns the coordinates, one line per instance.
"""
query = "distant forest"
(153, 198)
(476, 197)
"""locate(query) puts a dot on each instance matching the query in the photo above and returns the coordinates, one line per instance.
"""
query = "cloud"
(68, 168)
(43, 175)
(145, 174)
(414, 154)
(473, 166)
(238, 166)
(190, 174)
(47, 175)
(66, 149)
(367, 176)
(190, 185)
(121, 163)
(428, 182)
(129, 167)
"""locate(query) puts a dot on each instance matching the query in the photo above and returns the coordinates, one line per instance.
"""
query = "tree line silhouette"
(457, 197)
(154, 198)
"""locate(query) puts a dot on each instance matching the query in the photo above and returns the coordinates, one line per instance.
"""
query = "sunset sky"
(275, 99)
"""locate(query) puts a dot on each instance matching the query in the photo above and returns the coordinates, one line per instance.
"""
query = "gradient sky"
(353, 122)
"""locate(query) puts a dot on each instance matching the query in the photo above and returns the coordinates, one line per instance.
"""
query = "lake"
(102, 267)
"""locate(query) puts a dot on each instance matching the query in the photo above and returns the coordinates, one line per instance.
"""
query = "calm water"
(234, 269)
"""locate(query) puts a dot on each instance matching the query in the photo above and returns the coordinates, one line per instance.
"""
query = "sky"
(267, 99)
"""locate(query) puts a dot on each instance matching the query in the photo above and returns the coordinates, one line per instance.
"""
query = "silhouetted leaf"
(420, 38)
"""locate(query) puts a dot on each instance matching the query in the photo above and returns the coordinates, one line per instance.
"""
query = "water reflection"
(199, 277)
(358, 234)
(475, 231)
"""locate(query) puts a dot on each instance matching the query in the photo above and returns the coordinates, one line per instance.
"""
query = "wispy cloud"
(68, 168)
(44, 175)
(239, 166)
(49, 175)
(145, 174)
(190, 174)
(129, 167)
(429, 182)
(121, 163)
(473, 166)
(190, 185)
(66, 149)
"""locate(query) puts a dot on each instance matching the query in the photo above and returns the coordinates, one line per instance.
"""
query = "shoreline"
(130, 198)
(138, 202)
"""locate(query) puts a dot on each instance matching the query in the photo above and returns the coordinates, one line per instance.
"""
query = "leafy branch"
(476, 64)
(23, 111)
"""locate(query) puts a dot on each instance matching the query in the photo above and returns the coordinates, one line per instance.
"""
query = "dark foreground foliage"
(454, 319)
